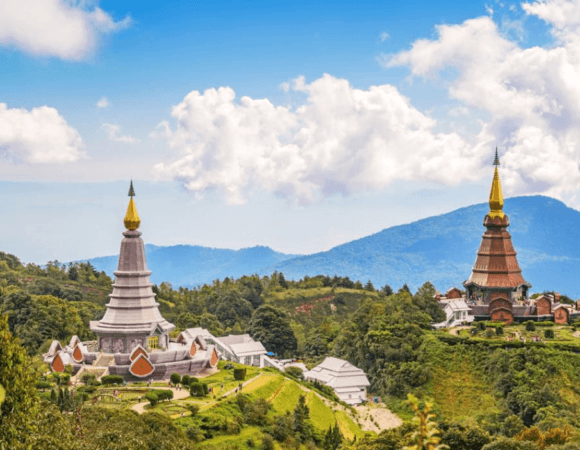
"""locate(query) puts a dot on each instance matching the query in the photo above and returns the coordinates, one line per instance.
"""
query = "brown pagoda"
(496, 279)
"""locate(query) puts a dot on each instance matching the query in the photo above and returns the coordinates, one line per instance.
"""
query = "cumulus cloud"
(531, 95)
(65, 29)
(384, 36)
(103, 103)
(114, 133)
(340, 140)
(38, 136)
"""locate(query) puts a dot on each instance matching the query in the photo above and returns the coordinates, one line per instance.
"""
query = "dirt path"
(377, 419)
(383, 417)
(456, 330)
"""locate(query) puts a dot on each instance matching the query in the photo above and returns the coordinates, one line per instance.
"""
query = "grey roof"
(248, 348)
(457, 305)
(338, 373)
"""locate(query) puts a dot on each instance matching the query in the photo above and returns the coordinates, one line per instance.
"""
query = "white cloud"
(458, 111)
(340, 140)
(384, 36)
(113, 131)
(38, 136)
(66, 29)
(562, 15)
(531, 95)
(103, 103)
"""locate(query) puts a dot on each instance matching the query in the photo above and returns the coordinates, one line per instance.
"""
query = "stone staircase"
(104, 360)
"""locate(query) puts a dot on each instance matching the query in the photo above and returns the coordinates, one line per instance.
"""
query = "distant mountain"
(191, 265)
(442, 249)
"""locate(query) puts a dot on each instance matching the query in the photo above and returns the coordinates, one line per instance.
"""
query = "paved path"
(456, 330)
(184, 393)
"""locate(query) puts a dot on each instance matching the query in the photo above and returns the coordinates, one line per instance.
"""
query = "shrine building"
(496, 289)
(132, 337)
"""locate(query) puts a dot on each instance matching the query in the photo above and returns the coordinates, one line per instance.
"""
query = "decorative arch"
(561, 315)
(138, 350)
(214, 358)
(57, 364)
(502, 315)
(141, 367)
(543, 306)
(77, 354)
(74, 341)
(193, 349)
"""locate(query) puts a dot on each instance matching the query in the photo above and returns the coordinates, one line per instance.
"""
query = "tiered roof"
(496, 265)
(132, 307)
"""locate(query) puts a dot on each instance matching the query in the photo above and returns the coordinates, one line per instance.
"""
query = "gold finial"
(132, 220)
(496, 196)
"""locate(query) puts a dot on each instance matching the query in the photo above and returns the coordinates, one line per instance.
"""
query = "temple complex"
(132, 337)
(496, 289)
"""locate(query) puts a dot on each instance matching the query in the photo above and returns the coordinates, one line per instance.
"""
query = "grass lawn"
(267, 390)
(286, 397)
(347, 426)
(239, 441)
(321, 415)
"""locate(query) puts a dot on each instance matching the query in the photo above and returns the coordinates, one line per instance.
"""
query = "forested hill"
(442, 249)
(192, 265)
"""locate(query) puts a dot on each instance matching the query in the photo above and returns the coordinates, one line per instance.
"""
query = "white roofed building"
(456, 312)
(239, 348)
(349, 382)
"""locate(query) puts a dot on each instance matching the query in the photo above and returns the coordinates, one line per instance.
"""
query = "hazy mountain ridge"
(191, 265)
(442, 249)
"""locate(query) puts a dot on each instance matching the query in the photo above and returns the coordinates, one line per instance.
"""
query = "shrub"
(112, 379)
(185, 380)
(43, 384)
(69, 369)
(239, 373)
(164, 394)
(481, 326)
(193, 409)
(228, 366)
(193, 380)
(295, 372)
(549, 334)
(489, 334)
(195, 434)
(198, 389)
(267, 442)
(530, 326)
(152, 398)
(88, 378)
(499, 331)
(546, 323)
(175, 378)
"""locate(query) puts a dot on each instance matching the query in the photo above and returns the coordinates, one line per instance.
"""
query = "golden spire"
(495, 196)
(132, 220)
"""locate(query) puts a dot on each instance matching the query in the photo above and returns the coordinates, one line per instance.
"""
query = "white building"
(349, 382)
(240, 348)
(456, 312)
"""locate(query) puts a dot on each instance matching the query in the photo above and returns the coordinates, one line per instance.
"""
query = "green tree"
(19, 406)
(271, 327)
(301, 424)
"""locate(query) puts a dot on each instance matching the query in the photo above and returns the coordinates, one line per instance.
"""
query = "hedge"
(198, 389)
(112, 379)
(239, 373)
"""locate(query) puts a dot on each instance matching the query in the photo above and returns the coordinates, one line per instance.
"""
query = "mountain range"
(441, 249)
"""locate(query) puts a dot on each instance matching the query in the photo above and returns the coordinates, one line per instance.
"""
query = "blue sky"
(298, 125)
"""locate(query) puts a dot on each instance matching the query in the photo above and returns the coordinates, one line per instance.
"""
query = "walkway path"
(184, 393)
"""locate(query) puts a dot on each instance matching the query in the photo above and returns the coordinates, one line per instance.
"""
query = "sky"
(297, 125)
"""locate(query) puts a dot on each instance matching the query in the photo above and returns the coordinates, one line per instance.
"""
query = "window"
(153, 342)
